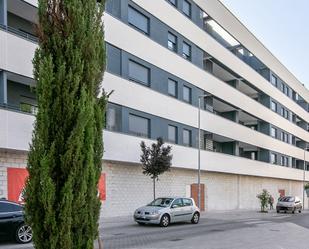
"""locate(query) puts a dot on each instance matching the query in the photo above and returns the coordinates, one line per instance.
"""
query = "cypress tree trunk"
(65, 157)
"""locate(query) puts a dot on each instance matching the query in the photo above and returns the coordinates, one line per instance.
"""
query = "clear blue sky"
(282, 26)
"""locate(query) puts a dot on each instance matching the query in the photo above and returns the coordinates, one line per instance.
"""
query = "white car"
(289, 203)
(164, 211)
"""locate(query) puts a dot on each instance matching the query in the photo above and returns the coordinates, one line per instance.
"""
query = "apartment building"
(162, 57)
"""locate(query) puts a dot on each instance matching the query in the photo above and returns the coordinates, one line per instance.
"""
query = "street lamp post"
(199, 150)
(304, 176)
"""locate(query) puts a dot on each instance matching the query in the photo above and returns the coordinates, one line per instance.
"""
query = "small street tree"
(64, 162)
(264, 200)
(155, 160)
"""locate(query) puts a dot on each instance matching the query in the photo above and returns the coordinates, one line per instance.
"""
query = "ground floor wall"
(127, 188)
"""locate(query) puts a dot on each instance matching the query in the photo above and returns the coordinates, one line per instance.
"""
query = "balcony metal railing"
(19, 33)
(17, 109)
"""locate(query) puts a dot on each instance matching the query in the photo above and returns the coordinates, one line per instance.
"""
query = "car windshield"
(288, 199)
(161, 202)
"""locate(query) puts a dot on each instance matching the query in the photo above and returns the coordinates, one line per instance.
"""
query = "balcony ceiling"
(23, 9)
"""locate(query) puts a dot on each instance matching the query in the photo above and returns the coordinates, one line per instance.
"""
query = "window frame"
(139, 134)
(174, 47)
(273, 156)
(138, 80)
(273, 103)
(190, 94)
(274, 83)
(172, 3)
(169, 82)
(135, 26)
(271, 132)
(190, 137)
(184, 55)
(175, 133)
(190, 8)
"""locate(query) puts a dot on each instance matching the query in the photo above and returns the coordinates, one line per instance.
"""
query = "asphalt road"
(239, 230)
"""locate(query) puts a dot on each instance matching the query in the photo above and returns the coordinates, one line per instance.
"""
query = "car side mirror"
(174, 206)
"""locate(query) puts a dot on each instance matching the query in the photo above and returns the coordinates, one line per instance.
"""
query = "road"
(223, 230)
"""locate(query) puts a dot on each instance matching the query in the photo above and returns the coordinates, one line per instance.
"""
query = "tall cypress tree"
(65, 157)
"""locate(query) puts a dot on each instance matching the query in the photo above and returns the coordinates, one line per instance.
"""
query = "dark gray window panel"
(172, 134)
(172, 87)
(157, 28)
(138, 125)
(139, 73)
(113, 59)
(113, 7)
(172, 42)
(186, 8)
(186, 51)
(187, 94)
(187, 137)
(138, 20)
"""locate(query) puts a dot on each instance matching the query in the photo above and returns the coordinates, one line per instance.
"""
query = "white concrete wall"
(226, 19)
(16, 130)
(141, 46)
(16, 54)
(128, 188)
(173, 109)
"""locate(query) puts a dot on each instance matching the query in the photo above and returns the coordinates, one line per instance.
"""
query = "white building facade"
(161, 56)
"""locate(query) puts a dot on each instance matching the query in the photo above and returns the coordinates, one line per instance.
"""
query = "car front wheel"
(165, 220)
(196, 218)
(23, 234)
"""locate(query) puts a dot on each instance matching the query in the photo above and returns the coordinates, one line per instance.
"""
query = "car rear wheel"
(196, 218)
(299, 211)
(278, 211)
(23, 234)
(165, 220)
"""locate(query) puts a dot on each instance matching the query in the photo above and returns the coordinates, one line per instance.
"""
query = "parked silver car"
(168, 210)
(289, 203)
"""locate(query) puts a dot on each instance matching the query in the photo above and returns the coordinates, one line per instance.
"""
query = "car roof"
(7, 201)
(174, 197)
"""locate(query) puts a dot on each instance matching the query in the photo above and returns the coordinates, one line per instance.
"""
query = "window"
(186, 8)
(9, 207)
(284, 161)
(173, 2)
(113, 117)
(177, 203)
(274, 106)
(186, 51)
(273, 80)
(172, 42)
(273, 158)
(186, 137)
(187, 94)
(273, 132)
(172, 134)
(138, 125)
(284, 113)
(187, 202)
(139, 73)
(285, 137)
(138, 20)
(172, 87)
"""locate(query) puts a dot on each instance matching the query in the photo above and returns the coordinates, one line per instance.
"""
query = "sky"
(282, 26)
